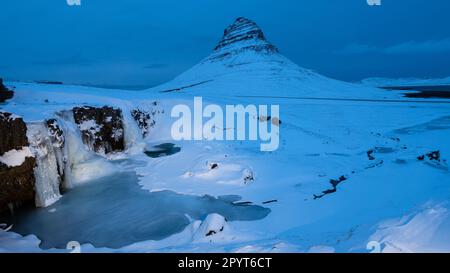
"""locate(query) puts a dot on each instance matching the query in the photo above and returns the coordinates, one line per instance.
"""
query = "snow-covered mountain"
(245, 63)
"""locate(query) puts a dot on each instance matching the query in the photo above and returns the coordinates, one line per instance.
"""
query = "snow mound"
(211, 228)
(14, 158)
(423, 231)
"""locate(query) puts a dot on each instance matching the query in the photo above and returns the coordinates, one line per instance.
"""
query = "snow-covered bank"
(426, 230)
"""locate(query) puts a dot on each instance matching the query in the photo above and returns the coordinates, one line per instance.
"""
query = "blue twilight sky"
(146, 42)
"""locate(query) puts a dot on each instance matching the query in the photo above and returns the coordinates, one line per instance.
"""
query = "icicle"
(46, 170)
(133, 135)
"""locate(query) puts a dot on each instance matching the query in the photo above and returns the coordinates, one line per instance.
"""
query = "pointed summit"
(243, 35)
(245, 63)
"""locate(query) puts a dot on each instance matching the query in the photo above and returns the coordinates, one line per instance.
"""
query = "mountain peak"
(243, 35)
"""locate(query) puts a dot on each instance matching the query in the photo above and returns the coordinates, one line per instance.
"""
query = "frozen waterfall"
(46, 172)
(63, 160)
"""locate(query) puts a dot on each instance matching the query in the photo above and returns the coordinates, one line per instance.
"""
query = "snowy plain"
(395, 199)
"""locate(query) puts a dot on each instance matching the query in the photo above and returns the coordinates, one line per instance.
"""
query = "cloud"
(411, 47)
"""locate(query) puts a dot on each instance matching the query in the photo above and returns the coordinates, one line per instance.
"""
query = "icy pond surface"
(114, 212)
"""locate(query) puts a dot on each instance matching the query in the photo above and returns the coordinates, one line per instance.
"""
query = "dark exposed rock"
(241, 30)
(55, 132)
(5, 93)
(274, 120)
(435, 155)
(144, 120)
(16, 183)
(50, 82)
(242, 35)
(434, 160)
(183, 87)
(334, 183)
(56, 135)
(212, 232)
(243, 203)
(370, 155)
(13, 132)
(248, 176)
(102, 128)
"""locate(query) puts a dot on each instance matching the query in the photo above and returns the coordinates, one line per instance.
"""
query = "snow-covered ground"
(366, 138)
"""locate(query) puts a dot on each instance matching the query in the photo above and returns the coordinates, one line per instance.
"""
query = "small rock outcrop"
(16, 180)
(5, 93)
(13, 132)
(144, 120)
(101, 128)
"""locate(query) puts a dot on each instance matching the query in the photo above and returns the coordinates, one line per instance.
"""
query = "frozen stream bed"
(114, 212)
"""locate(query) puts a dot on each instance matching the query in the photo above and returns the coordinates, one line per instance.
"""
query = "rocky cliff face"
(243, 35)
(36, 159)
(101, 128)
(5, 93)
(14, 132)
(16, 181)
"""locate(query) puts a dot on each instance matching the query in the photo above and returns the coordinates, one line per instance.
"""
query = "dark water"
(426, 92)
(114, 212)
(161, 150)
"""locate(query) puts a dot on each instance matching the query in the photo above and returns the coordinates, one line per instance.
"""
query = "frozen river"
(114, 212)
